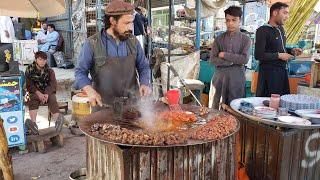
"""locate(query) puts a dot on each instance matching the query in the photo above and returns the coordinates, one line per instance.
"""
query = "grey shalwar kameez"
(229, 78)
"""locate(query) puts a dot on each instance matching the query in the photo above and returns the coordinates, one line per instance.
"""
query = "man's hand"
(46, 96)
(41, 96)
(284, 56)
(221, 55)
(296, 51)
(7, 33)
(144, 90)
(149, 30)
(93, 95)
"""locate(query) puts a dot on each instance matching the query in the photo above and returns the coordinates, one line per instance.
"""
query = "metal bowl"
(79, 174)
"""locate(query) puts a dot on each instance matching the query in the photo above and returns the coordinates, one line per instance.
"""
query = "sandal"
(32, 127)
(59, 123)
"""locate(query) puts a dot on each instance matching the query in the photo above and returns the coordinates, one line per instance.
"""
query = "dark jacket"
(50, 89)
(138, 23)
(269, 42)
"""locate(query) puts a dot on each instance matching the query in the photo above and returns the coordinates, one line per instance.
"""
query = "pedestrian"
(139, 25)
(229, 53)
(272, 54)
(7, 34)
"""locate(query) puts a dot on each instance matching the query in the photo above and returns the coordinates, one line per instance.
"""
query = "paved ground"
(57, 163)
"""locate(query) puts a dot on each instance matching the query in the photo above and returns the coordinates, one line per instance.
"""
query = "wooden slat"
(217, 160)
(272, 159)
(209, 161)
(170, 162)
(178, 163)
(135, 170)
(5, 158)
(144, 166)
(302, 155)
(296, 146)
(186, 163)
(154, 160)
(260, 153)
(248, 149)
(284, 160)
(162, 163)
(223, 155)
(208, 152)
(316, 167)
(232, 158)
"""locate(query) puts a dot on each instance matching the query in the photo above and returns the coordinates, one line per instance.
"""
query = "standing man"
(139, 26)
(7, 34)
(272, 54)
(229, 53)
(113, 56)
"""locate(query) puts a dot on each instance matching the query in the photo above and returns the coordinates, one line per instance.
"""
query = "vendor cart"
(274, 150)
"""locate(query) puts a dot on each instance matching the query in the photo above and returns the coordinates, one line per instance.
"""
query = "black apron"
(272, 80)
(117, 77)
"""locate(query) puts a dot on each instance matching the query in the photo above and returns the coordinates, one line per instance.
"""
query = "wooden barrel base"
(215, 160)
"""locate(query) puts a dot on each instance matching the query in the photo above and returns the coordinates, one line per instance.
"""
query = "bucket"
(80, 105)
(79, 174)
(173, 96)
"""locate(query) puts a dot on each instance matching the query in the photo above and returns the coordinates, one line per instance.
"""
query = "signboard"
(11, 110)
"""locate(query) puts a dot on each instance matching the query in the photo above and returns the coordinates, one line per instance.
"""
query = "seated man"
(42, 34)
(41, 86)
(51, 40)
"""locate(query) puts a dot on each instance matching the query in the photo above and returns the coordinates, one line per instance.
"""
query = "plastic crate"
(207, 70)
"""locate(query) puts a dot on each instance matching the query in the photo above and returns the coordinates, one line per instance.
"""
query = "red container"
(173, 96)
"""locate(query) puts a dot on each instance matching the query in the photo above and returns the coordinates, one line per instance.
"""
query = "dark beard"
(122, 37)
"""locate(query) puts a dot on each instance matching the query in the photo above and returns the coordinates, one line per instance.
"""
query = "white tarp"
(188, 67)
(208, 7)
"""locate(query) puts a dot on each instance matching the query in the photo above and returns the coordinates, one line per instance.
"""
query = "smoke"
(147, 109)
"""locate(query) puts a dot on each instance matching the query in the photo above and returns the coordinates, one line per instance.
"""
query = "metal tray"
(105, 116)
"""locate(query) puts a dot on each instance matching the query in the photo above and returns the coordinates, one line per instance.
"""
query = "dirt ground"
(57, 163)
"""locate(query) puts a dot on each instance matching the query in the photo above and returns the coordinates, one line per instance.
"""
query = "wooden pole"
(5, 158)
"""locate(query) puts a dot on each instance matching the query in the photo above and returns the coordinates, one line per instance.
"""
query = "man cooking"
(113, 57)
(271, 51)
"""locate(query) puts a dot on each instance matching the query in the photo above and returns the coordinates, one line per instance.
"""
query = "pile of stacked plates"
(265, 112)
(294, 120)
(312, 115)
(299, 101)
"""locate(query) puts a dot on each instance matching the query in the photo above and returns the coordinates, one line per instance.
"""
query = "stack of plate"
(312, 115)
(294, 120)
(265, 112)
(299, 101)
